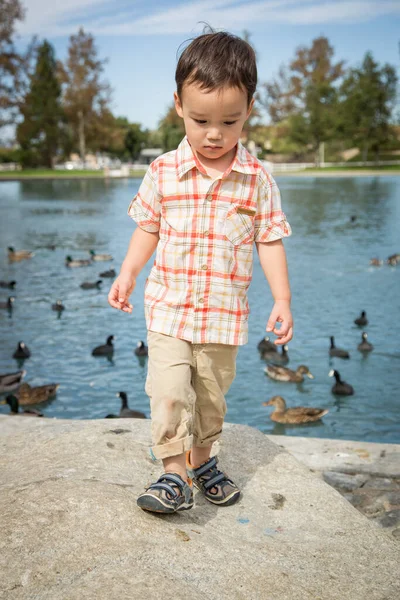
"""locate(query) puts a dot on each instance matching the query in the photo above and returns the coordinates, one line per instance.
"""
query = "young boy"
(201, 207)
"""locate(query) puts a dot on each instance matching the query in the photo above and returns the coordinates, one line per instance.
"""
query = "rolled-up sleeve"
(145, 207)
(270, 221)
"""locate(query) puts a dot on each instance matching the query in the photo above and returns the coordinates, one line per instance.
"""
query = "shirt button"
(206, 233)
(204, 267)
(201, 300)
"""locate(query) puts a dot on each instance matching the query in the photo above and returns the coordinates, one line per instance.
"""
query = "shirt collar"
(185, 160)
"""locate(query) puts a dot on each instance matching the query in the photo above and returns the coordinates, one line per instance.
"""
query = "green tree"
(368, 97)
(40, 132)
(86, 98)
(171, 130)
(135, 139)
(306, 94)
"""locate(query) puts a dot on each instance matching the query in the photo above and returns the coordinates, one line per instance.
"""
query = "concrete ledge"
(71, 528)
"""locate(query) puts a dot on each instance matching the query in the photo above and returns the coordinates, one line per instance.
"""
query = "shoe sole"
(152, 504)
(228, 501)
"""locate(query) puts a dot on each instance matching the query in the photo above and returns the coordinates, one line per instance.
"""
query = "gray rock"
(70, 527)
(382, 483)
(343, 481)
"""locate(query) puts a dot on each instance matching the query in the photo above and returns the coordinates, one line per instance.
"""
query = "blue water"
(331, 283)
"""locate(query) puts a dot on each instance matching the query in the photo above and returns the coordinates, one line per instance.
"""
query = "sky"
(140, 38)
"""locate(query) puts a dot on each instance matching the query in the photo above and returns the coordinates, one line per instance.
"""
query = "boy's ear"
(250, 108)
(178, 105)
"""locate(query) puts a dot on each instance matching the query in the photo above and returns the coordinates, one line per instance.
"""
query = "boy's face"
(213, 119)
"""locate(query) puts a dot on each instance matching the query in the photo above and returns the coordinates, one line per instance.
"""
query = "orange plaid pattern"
(197, 288)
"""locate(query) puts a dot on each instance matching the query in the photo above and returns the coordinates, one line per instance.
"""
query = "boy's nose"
(213, 135)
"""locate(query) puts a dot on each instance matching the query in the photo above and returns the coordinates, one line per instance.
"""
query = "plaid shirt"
(197, 288)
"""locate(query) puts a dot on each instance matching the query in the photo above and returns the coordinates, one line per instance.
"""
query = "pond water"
(331, 283)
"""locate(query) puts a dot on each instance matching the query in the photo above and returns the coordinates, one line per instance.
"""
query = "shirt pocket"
(177, 216)
(239, 225)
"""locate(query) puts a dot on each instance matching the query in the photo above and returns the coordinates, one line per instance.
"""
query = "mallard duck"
(365, 346)
(275, 357)
(17, 255)
(106, 349)
(89, 285)
(82, 262)
(8, 284)
(362, 320)
(35, 395)
(58, 306)
(109, 273)
(285, 374)
(100, 257)
(13, 403)
(127, 412)
(338, 352)
(22, 351)
(265, 345)
(141, 349)
(9, 304)
(11, 381)
(376, 262)
(298, 414)
(393, 259)
(341, 388)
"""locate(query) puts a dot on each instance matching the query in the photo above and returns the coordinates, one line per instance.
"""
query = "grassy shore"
(58, 174)
(355, 168)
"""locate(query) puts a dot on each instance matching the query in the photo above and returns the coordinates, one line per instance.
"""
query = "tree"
(306, 93)
(171, 129)
(39, 133)
(134, 140)
(368, 96)
(86, 97)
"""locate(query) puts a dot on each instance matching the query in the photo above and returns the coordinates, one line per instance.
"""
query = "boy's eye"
(229, 122)
(200, 121)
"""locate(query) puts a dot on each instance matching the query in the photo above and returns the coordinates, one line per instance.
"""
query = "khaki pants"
(186, 384)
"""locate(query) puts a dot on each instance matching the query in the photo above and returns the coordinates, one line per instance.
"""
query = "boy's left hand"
(281, 313)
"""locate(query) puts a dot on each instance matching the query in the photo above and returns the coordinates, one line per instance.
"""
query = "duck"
(364, 345)
(106, 349)
(341, 388)
(22, 351)
(338, 352)
(298, 414)
(275, 357)
(17, 255)
(99, 257)
(141, 349)
(265, 345)
(393, 259)
(362, 320)
(10, 381)
(13, 403)
(58, 306)
(9, 304)
(126, 412)
(285, 374)
(82, 262)
(376, 262)
(353, 218)
(91, 285)
(35, 395)
(109, 273)
(8, 284)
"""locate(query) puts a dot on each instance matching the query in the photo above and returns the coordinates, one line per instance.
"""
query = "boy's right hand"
(120, 291)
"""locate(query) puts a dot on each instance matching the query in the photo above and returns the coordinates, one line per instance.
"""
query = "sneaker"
(168, 494)
(214, 484)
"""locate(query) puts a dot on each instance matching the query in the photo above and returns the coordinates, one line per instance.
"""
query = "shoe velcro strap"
(163, 486)
(210, 464)
(171, 477)
(214, 480)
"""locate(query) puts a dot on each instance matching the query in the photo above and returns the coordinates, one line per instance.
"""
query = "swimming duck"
(109, 273)
(298, 414)
(82, 262)
(58, 306)
(105, 349)
(89, 285)
(127, 412)
(365, 346)
(22, 351)
(9, 304)
(393, 259)
(376, 262)
(275, 357)
(285, 374)
(338, 352)
(141, 349)
(17, 255)
(11, 381)
(8, 284)
(13, 403)
(265, 345)
(362, 320)
(99, 257)
(35, 395)
(341, 388)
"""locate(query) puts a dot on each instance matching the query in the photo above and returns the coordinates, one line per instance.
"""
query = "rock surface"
(71, 530)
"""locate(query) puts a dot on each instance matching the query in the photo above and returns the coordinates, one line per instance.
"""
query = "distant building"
(147, 155)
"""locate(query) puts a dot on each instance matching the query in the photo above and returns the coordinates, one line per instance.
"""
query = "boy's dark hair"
(218, 59)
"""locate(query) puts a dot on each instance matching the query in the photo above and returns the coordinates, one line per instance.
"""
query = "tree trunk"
(365, 153)
(81, 135)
